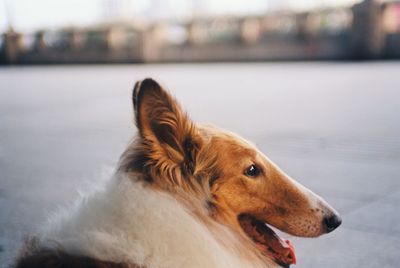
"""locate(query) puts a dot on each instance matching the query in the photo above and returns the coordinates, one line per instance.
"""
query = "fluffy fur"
(176, 199)
(114, 224)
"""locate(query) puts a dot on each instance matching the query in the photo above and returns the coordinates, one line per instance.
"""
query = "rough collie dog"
(183, 195)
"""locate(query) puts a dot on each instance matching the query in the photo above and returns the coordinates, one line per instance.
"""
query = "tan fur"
(204, 169)
(208, 165)
(271, 197)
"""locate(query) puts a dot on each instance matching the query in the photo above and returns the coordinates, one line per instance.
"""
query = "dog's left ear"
(163, 125)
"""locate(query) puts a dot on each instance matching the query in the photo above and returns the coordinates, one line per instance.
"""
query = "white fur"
(128, 222)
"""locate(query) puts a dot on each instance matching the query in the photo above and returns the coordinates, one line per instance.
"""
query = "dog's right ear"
(163, 126)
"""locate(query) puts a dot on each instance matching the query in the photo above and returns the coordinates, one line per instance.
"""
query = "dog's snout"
(331, 222)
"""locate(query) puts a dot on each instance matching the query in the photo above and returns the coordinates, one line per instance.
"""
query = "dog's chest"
(126, 222)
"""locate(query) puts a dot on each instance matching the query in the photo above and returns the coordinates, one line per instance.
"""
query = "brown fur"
(205, 169)
(32, 255)
(59, 259)
(173, 153)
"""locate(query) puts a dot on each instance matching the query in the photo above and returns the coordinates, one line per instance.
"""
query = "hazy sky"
(28, 15)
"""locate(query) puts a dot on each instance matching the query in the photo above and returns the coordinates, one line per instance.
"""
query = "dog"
(183, 195)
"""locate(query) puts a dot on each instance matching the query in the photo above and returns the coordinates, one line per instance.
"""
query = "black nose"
(331, 222)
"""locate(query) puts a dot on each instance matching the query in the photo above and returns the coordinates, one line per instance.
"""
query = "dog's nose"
(331, 222)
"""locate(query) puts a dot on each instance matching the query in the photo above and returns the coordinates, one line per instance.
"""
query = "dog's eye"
(252, 171)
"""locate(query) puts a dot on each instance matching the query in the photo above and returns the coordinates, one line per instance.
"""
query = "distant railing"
(366, 30)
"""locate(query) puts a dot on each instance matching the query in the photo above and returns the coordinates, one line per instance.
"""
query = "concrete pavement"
(332, 126)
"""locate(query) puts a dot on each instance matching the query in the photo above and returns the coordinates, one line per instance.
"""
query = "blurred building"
(367, 30)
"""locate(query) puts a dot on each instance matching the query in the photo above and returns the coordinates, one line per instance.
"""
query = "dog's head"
(241, 187)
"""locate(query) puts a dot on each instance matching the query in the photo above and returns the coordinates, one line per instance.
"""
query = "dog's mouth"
(269, 243)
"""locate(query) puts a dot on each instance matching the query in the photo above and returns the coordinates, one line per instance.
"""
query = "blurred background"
(315, 84)
(124, 31)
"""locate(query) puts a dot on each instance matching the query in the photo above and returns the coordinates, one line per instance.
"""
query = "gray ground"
(335, 127)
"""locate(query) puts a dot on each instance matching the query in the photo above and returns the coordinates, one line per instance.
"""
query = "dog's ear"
(162, 124)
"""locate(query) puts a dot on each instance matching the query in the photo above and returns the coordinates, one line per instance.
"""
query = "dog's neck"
(129, 222)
